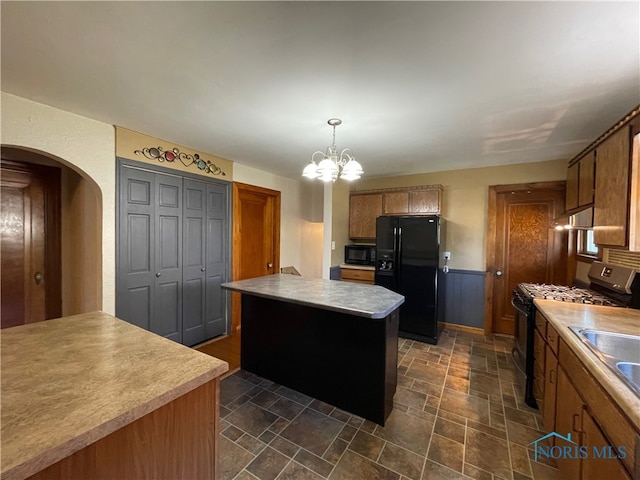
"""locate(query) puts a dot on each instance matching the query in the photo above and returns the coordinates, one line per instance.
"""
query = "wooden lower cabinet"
(574, 405)
(356, 275)
(177, 440)
(599, 468)
(572, 417)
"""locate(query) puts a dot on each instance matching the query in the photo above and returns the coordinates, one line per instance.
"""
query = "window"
(586, 246)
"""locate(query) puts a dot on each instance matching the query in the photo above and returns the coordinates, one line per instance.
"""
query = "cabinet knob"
(38, 278)
(158, 274)
(202, 269)
(269, 265)
(498, 273)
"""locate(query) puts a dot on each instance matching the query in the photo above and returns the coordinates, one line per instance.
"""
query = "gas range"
(563, 293)
(611, 286)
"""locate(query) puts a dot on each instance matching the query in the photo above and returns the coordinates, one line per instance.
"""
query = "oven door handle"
(514, 354)
(519, 309)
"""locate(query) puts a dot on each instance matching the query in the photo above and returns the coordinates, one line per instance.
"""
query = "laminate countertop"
(370, 301)
(563, 315)
(69, 382)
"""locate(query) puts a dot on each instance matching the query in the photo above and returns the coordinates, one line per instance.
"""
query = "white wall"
(84, 145)
(300, 235)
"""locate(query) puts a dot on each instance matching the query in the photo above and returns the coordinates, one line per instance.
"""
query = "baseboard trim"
(463, 328)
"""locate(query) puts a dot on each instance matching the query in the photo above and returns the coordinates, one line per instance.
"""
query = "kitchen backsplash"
(622, 257)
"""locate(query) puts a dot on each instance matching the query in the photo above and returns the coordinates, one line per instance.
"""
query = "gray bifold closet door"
(172, 255)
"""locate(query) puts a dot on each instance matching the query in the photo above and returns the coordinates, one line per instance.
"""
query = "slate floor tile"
(454, 403)
(268, 465)
(313, 430)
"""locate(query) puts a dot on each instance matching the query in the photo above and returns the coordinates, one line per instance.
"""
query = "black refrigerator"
(409, 261)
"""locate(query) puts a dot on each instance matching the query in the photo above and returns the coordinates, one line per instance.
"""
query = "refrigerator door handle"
(398, 256)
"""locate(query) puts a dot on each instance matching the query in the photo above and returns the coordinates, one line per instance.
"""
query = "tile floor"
(456, 416)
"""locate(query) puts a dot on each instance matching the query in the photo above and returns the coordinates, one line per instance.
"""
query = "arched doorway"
(78, 226)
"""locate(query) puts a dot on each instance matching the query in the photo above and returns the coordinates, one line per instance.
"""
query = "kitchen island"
(334, 341)
(91, 396)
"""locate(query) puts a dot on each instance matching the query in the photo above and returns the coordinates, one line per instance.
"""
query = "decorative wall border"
(187, 160)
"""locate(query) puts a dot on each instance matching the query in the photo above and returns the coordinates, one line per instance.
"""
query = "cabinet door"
(550, 387)
(568, 423)
(594, 468)
(425, 201)
(573, 173)
(395, 203)
(610, 215)
(363, 211)
(586, 179)
(538, 369)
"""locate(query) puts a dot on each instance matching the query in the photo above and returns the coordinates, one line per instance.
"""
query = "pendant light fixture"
(331, 165)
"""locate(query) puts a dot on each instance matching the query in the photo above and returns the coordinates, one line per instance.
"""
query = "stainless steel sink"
(630, 370)
(621, 353)
(622, 347)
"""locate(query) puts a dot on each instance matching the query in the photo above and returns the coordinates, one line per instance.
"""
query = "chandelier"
(331, 165)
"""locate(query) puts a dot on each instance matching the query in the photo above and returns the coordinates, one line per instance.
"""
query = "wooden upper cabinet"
(395, 203)
(425, 201)
(571, 200)
(363, 211)
(586, 182)
(581, 182)
(610, 216)
(365, 207)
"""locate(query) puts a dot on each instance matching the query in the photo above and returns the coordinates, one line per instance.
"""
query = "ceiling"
(420, 86)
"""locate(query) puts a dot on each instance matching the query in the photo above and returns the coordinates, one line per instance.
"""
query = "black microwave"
(360, 254)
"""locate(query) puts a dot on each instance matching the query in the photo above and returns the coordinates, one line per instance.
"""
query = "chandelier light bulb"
(331, 166)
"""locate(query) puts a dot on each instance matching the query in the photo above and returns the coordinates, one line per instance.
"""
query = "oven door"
(522, 351)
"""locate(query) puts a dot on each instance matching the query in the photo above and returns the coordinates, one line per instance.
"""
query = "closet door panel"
(193, 315)
(136, 239)
(167, 320)
(216, 259)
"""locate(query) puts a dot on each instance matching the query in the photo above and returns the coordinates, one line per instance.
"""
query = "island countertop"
(563, 315)
(370, 301)
(69, 382)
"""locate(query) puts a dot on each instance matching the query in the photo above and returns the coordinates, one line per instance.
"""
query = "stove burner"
(563, 293)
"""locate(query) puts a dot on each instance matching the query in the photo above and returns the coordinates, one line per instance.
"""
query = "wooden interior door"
(522, 246)
(256, 237)
(30, 243)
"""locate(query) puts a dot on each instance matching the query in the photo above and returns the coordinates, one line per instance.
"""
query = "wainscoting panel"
(465, 298)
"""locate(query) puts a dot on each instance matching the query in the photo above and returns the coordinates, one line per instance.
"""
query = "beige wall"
(128, 142)
(301, 230)
(340, 220)
(87, 147)
(465, 201)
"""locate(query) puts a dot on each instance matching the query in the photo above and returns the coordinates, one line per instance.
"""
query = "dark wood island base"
(345, 360)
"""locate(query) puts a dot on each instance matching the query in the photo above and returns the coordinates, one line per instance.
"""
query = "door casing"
(256, 237)
(539, 198)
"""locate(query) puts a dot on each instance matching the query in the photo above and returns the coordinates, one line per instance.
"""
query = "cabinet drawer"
(552, 338)
(354, 274)
(541, 324)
